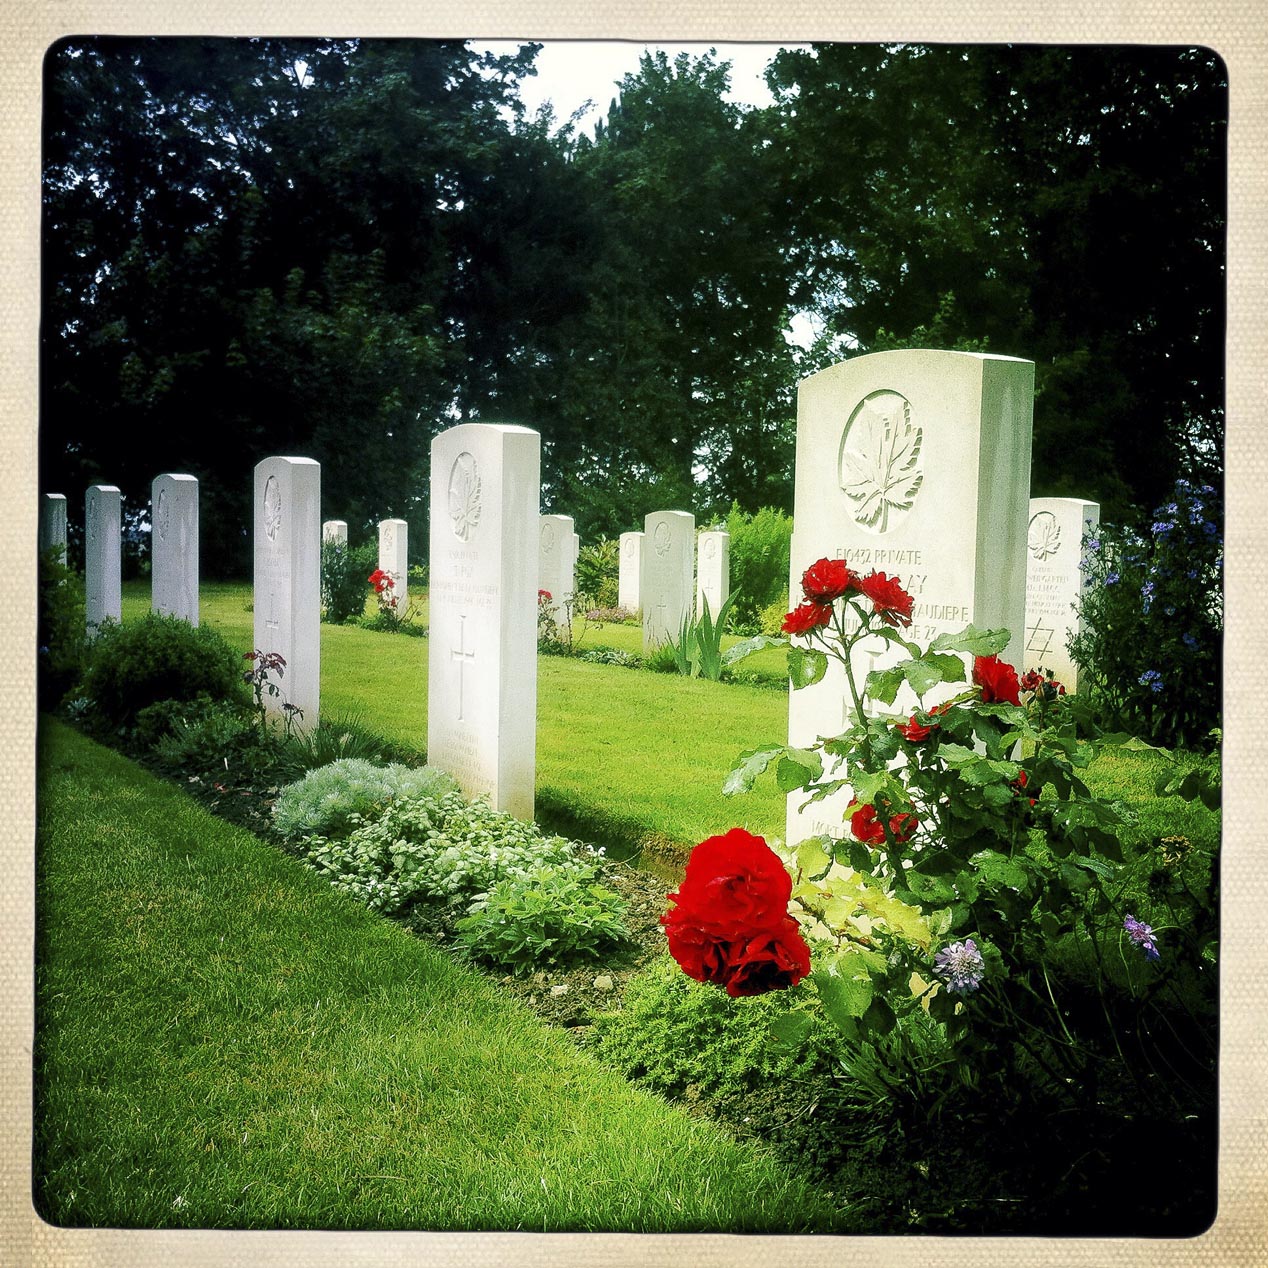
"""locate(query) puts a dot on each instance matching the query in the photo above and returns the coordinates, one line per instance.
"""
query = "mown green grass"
(625, 757)
(224, 1041)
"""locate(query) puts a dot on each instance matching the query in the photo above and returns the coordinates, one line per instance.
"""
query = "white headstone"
(916, 464)
(394, 559)
(53, 522)
(174, 546)
(482, 644)
(630, 568)
(335, 531)
(103, 521)
(713, 570)
(668, 573)
(555, 565)
(287, 516)
(1054, 577)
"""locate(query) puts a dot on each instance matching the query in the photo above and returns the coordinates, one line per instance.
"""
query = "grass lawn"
(225, 1041)
(625, 758)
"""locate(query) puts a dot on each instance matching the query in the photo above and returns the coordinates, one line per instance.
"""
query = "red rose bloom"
(807, 617)
(734, 886)
(767, 962)
(916, 731)
(828, 580)
(998, 680)
(867, 827)
(730, 924)
(888, 598)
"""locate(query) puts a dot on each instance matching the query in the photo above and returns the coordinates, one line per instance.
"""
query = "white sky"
(570, 71)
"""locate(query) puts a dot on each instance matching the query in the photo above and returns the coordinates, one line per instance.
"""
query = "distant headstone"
(555, 572)
(482, 653)
(713, 571)
(665, 583)
(917, 464)
(103, 590)
(1054, 578)
(287, 516)
(53, 522)
(174, 546)
(335, 531)
(394, 559)
(630, 567)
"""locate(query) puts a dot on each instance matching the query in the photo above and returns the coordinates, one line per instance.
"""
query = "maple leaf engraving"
(464, 496)
(880, 459)
(1044, 537)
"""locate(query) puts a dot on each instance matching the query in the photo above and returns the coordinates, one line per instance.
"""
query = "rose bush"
(974, 851)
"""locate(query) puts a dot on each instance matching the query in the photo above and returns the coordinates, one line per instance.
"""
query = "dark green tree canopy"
(341, 247)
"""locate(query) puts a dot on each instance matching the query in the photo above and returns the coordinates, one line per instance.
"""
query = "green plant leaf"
(806, 666)
(974, 641)
(749, 766)
(750, 645)
(843, 997)
(932, 669)
(882, 684)
(797, 768)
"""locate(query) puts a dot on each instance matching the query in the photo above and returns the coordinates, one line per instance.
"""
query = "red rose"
(771, 961)
(807, 617)
(734, 886)
(867, 827)
(1030, 681)
(997, 678)
(888, 598)
(1019, 784)
(828, 580)
(915, 731)
(700, 955)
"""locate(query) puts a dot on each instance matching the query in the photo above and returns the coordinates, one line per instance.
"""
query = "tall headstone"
(482, 645)
(555, 566)
(394, 559)
(631, 566)
(713, 571)
(287, 516)
(174, 546)
(335, 531)
(53, 522)
(103, 522)
(917, 464)
(1054, 579)
(668, 573)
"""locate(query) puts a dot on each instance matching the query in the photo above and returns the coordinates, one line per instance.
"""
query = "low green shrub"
(157, 658)
(343, 573)
(760, 549)
(435, 848)
(598, 572)
(62, 641)
(673, 1034)
(334, 737)
(193, 738)
(551, 916)
(770, 620)
(327, 800)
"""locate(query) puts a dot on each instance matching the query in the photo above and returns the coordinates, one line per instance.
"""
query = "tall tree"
(1071, 200)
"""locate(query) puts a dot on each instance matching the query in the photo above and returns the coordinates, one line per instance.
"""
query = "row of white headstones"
(916, 463)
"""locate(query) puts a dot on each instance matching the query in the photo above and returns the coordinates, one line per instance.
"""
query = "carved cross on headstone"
(271, 622)
(661, 607)
(462, 657)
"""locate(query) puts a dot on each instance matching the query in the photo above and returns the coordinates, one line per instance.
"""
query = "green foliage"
(1150, 646)
(329, 799)
(770, 620)
(343, 573)
(552, 916)
(973, 824)
(697, 651)
(158, 658)
(598, 572)
(760, 547)
(436, 848)
(61, 629)
(673, 1034)
(210, 739)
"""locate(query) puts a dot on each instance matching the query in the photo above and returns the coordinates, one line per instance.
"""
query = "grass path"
(225, 1041)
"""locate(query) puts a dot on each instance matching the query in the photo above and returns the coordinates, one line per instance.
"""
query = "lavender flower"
(1161, 528)
(1152, 679)
(961, 966)
(1111, 578)
(1141, 934)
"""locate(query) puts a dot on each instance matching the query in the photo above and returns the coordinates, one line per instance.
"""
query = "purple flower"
(1162, 528)
(1188, 640)
(1152, 679)
(960, 966)
(1111, 578)
(1142, 935)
